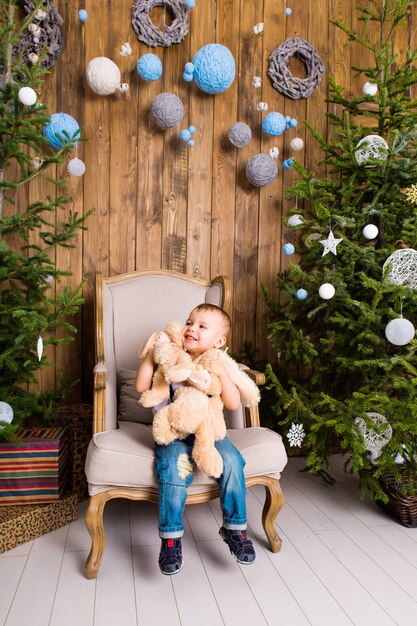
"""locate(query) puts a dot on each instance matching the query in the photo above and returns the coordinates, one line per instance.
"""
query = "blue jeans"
(174, 468)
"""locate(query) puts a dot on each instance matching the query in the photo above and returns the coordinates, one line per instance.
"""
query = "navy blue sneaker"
(239, 545)
(170, 556)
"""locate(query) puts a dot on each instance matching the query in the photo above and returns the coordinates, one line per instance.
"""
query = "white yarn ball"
(76, 167)
(399, 332)
(370, 231)
(297, 144)
(27, 96)
(103, 76)
(369, 89)
(326, 291)
(295, 220)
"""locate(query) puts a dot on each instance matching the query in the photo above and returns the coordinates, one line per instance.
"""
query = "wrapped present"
(19, 524)
(79, 420)
(36, 471)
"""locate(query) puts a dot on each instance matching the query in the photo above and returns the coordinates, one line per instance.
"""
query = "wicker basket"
(402, 507)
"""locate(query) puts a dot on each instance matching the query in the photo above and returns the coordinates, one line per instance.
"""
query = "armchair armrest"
(252, 412)
(100, 374)
(257, 377)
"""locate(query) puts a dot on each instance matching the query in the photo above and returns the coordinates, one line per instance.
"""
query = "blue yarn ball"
(288, 248)
(189, 4)
(214, 68)
(274, 124)
(82, 15)
(287, 164)
(187, 77)
(64, 125)
(191, 130)
(292, 123)
(301, 294)
(149, 67)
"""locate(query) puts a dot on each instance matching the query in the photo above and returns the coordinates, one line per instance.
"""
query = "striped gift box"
(35, 471)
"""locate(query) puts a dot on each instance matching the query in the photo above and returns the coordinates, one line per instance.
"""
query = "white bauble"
(27, 96)
(399, 332)
(370, 89)
(370, 231)
(39, 348)
(326, 291)
(295, 220)
(103, 76)
(371, 146)
(6, 413)
(76, 167)
(297, 144)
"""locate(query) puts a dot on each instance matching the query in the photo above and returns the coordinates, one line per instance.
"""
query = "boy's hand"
(214, 365)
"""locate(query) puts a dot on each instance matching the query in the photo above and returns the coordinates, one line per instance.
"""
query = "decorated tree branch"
(34, 312)
(344, 324)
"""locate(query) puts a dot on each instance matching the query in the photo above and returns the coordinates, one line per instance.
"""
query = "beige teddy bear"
(196, 406)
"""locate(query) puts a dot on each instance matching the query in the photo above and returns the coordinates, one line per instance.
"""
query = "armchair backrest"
(129, 308)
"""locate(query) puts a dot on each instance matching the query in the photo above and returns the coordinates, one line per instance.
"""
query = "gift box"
(19, 524)
(79, 420)
(36, 471)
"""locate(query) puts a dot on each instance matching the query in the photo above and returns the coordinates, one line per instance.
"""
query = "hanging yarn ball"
(261, 170)
(76, 167)
(326, 291)
(27, 96)
(189, 4)
(288, 248)
(401, 268)
(61, 129)
(301, 294)
(295, 220)
(371, 147)
(6, 413)
(82, 15)
(369, 89)
(167, 110)
(287, 164)
(149, 67)
(375, 440)
(274, 124)
(370, 231)
(297, 144)
(213, 68)
(240, 134)
(103, 76)
(400, 331)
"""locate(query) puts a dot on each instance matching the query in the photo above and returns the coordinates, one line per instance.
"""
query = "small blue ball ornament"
(301, 294)
(82, 15)
(288, 11)
(292, 123)
(189, 4)
(149, 67)
(287, 164)
(213, 68)
(60, 129)
(288, 248)
(185, 135)
(274, 124)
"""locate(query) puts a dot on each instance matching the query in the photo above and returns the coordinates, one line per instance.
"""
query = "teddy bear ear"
(143, 351)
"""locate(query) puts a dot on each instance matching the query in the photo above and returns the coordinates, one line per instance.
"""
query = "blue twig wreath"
(282, 79)
(146, 30)
(43, 35)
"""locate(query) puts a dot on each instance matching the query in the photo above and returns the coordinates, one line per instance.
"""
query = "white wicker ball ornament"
(371, 147)
(6, 413)
(369, 89)
(103, 76)
(27, 96)
(326, 291)
(401, 268)
(370, 231)
(400, 331)
(375, 440)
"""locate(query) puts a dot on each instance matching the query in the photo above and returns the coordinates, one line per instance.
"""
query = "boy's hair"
(216, 309)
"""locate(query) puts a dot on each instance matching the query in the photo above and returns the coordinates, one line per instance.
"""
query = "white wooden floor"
(342, 562)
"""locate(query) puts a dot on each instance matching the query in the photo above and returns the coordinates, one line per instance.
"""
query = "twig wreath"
(42, 34)
(282, 79)
(146, 30)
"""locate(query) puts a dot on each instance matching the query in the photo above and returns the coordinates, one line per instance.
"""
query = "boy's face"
(202, 331)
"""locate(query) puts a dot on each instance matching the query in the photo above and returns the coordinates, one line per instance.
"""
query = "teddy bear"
(196, 407)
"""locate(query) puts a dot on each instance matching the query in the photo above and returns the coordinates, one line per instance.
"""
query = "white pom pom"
(370, 231)
(297, 144)
(370, 89)
(27, 96)
(326, 291)
(76, 167)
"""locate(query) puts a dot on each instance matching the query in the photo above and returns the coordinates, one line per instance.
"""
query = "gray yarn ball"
(261, 170)
(240, 134)
(167, 110)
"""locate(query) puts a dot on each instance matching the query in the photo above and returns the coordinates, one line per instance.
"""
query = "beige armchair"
(120, 458)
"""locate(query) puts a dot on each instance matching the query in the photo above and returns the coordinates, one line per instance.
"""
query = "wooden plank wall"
(160, 204)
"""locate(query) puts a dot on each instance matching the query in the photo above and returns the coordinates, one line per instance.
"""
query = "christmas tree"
(343, 326)
(33, 311)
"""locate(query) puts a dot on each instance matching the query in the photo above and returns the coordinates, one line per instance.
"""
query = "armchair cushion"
(129, 409)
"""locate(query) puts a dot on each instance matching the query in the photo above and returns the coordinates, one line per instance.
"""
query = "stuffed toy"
(196, 407)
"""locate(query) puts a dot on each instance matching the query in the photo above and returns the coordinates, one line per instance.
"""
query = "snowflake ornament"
(411, 194)
(330, 244)
(296, 434)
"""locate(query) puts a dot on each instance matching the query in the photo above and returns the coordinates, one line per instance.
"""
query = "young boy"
(207, 327)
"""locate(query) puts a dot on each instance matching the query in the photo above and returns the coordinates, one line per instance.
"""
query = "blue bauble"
(82, 15)
(301, 294)
(288, 248)
(274, 124)
(287, 164)
(292, 123)
(149, 67)
(214, 68)
(64, 125)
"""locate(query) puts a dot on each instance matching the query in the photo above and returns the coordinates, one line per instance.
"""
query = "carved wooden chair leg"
(274, 501)
(94, 522)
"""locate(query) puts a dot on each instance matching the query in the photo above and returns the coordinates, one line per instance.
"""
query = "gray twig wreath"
(282, 79)
(42, 34)
(146, 30)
